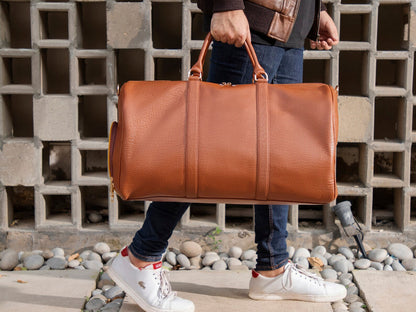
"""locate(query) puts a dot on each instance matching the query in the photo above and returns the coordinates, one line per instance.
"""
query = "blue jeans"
(231, 64)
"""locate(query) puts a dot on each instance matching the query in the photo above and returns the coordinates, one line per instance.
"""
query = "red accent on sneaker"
(254, 273)
(124, 252)
(157, 265)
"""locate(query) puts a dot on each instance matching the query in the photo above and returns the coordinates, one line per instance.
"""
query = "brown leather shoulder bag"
(195, 141)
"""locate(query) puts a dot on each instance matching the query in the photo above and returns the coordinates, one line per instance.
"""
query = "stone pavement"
(45, 291)
(225, 291)
(387, 291)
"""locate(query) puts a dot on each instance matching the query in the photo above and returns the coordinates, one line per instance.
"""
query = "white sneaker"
(149, 286)
(295, 283)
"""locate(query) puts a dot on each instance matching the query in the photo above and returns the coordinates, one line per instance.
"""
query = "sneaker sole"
(140, 302)
(308, 298)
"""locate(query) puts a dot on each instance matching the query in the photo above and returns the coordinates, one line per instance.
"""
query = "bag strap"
(258, 72)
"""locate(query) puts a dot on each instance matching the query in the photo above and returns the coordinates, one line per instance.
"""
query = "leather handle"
(258, 72)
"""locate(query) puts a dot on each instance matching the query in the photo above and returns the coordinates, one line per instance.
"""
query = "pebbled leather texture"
(195, 141)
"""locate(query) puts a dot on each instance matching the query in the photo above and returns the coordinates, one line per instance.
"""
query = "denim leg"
(271, 234)
(151, 241)
(291, 67)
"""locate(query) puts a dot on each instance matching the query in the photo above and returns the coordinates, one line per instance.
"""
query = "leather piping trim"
(263, 145)
(192, 138)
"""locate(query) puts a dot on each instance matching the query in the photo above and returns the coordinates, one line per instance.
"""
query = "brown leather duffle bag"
(195, 141)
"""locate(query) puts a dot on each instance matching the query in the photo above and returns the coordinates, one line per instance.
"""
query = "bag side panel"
(302, 143)
(152, 117)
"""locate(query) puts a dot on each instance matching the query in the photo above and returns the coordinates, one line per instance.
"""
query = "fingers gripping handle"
(258, 71)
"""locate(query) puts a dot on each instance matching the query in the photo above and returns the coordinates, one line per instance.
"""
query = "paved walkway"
(45, 291)
(387, 291)
(225, 291)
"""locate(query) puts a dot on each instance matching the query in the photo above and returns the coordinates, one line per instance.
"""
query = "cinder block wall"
(61, 62)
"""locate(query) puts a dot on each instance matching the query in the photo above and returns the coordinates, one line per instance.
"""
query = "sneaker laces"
(297, 269)
(165, 289)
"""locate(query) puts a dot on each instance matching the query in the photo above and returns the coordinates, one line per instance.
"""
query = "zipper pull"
(112, 189)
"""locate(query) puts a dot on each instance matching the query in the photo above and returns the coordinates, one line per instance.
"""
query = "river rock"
(47, 254)
(397, 266)
(101, 248)
(319, 249)
(347, 252)
(73, 263)
(362, 264)
(250, 264)
(9, 260)
(409, 264)
(95, 217)
(183, 261)
(34, 262)
(235, 252)
(57, 263)
(389, 260)
(58, 252)
(301, 252)
(96, 292)
(167, 265)
(302, 261)
(171, 257)
(95, 303)
(335, 258)
(45, 268)
(107, 256)
(352, 298)
(352, 290)
(114, 292)
(377, 265)
(355, 305)
(248, 255)
(191, 249)
(210, 259)
(104, 282)
(113, 306)
(224, 256)
(387, 268)
(92, 265)
(196, 262)
(291, 251)
(341, 266)
(219, 265)
(329, 274)
(93, 256)
(400, 251)
(84, 255)
(357, 310)
(377, 255)
(233, 262)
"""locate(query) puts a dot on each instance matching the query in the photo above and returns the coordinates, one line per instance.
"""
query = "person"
(137, 269)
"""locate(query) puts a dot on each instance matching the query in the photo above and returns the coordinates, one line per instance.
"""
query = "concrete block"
(19, 163)
(128, 26)
(46, 290)
(55, 118)
(6, 126)
(354, 119)
(412, 29)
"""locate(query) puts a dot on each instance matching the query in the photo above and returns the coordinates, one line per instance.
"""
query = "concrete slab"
(225, 291)
(45, 291)
(387, 291)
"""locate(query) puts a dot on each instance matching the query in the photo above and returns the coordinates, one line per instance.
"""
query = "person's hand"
(328, 33)
(230, 27)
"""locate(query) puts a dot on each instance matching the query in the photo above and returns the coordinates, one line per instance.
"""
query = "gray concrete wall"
(60, 64)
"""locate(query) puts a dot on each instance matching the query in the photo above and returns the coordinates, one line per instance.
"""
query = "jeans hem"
(266, 267)
(144, 258)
